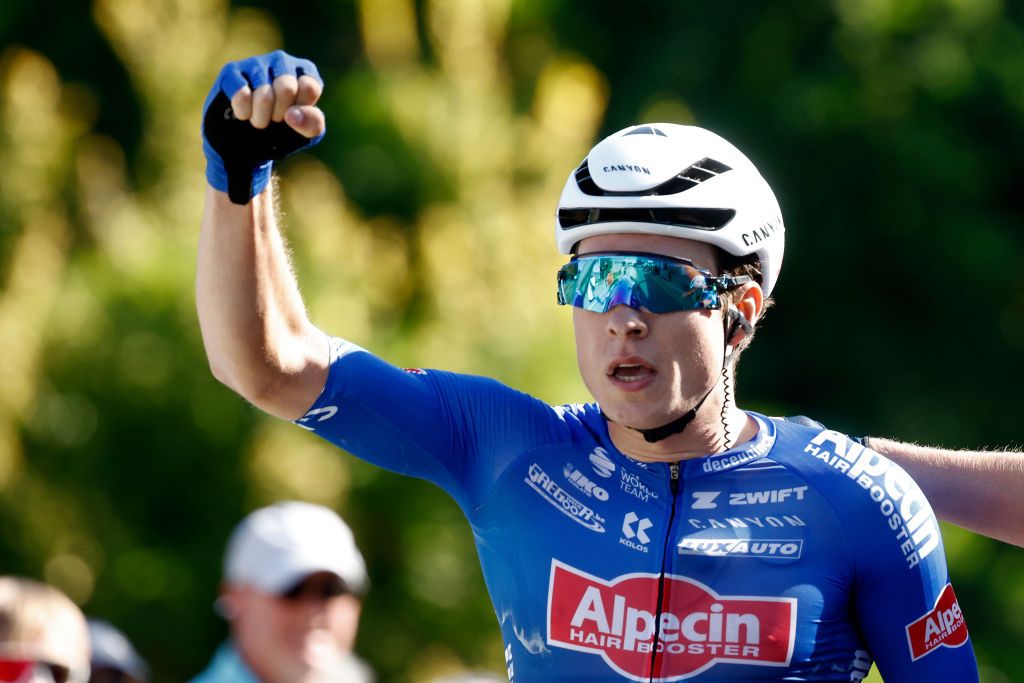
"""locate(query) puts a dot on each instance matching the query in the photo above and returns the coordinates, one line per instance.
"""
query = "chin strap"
(677, 425)
(733, 321)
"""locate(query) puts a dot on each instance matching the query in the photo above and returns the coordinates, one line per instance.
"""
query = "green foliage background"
(890, 129)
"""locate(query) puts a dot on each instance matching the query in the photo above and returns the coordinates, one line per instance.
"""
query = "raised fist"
(259, 110)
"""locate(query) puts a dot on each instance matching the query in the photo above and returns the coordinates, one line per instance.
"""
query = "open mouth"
(629, 372)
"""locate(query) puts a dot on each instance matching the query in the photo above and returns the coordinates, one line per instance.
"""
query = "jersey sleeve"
(903, 600)
(457, 431)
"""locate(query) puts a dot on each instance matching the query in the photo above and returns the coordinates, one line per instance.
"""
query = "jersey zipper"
(673, 484)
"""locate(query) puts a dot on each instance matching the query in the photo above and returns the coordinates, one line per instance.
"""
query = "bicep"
(906, 608)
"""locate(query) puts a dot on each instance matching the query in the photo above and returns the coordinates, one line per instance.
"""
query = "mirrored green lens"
(657, 284)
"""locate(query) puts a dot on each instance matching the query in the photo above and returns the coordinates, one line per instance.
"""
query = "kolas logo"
(635, 527)
(944, 626)
(698, 628)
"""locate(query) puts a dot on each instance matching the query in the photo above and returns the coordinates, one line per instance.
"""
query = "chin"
(636, 419)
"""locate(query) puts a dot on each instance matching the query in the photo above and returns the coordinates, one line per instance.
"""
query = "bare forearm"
(258, 338)
(980, 491)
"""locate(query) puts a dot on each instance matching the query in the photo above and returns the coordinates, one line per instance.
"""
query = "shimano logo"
(602, 464)
(630, 168)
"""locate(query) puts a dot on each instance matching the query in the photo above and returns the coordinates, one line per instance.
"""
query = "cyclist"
(661, 533)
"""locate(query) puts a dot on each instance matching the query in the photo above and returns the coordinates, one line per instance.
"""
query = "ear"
(745, 310)
(229, 603)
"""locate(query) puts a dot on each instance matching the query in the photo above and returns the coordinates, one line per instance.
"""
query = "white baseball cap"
(275, 547)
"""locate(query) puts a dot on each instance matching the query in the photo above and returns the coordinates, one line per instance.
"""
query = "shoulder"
(873, 496)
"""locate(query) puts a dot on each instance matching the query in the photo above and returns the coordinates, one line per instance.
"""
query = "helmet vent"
(693, 217)
(690, 176)
(645, 130)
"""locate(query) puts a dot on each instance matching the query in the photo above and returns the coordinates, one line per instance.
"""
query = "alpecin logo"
(943, 626)
(698, 627)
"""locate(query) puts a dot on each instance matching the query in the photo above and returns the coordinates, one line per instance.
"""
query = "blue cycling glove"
(239, 157)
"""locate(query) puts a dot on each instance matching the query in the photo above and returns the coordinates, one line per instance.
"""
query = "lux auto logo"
(697, 627)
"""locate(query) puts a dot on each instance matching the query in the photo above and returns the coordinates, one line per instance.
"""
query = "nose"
(626, 321)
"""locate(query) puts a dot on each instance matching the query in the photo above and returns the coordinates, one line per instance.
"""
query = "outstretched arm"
(980, 491)
(258, 338)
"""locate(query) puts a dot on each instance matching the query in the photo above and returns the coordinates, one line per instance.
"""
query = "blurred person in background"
(292, 595)
(43, 634)
(114, 659)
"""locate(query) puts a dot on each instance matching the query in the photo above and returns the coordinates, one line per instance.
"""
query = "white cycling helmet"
(681, 181)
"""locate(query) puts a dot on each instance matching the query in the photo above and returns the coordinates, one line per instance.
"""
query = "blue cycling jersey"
(797, 556)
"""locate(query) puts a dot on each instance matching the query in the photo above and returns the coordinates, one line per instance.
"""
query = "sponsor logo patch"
(603, 465)
(899, 499)
(718, 463)
(634, 532)
(550, 491)
(634, 486)
(708, 500)
(321, 414)
(943, 626)
(415, 371)
(705, 500)
(766, 522)
(767, 497)
(583, 483)
(697, 629)
(626, 167)
(742, 547)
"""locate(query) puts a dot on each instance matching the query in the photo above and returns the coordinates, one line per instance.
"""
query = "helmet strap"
(676, 426)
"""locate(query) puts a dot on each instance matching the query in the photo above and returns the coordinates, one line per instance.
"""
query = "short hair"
(750, 266)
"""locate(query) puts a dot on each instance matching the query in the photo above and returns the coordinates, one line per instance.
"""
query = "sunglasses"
(316, 589)
(27, 670)
(660, 284)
